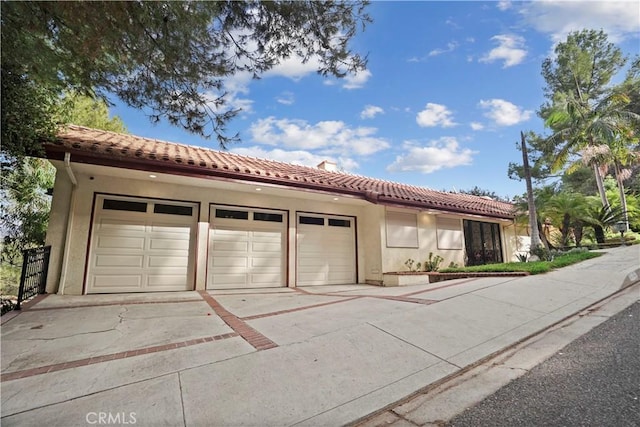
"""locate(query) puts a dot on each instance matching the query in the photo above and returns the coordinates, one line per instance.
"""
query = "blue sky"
(449, 87)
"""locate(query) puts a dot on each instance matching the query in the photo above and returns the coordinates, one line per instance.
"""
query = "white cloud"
(619, 19)
(357, 80)
(296, 157)
(504, 113)
(476, 125)
(294, 68)
(439, 154)
(510, 50)
(370, 111)
(451, 46)
(331, 137)
(286, 98)
(504, 5)
(435, 115)
(450, 22)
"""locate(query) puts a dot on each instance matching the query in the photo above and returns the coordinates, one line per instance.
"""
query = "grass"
(535, 267)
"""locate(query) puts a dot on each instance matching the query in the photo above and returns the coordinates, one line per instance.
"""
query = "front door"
(482, 242)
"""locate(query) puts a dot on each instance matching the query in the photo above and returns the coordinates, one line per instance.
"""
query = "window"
(231, 214)
(173, 209)
(449, 233)
(402, 229)
(124, 205)
(339, 222)
(311, 220)
(264, 216)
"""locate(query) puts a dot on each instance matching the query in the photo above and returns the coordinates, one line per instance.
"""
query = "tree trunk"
(599, 232)
(533, 220)
(578, 231)
(623, 197)
(600, 184)
(543, 237)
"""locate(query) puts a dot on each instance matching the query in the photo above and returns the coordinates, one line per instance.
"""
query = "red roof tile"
(133, 152)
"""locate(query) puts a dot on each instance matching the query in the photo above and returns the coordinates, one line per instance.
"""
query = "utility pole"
(533, 219)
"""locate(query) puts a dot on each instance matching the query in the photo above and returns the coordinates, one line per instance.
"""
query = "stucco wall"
(394, 258)
(518, 240)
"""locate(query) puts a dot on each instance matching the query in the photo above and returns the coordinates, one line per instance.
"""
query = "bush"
(433, 263)
(7, 305)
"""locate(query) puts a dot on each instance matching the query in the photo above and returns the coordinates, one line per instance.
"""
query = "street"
(594, 381)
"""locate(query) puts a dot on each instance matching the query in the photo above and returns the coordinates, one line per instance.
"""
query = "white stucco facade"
(72, 217)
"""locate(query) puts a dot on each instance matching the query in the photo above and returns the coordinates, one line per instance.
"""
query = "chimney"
(328, 166)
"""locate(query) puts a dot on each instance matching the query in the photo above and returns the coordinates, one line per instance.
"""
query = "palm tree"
(601, 217)
(566, 210)
(602, 134)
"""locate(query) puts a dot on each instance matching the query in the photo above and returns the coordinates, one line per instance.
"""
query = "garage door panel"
(226, 234)
(162, 262)
(120, 226)
(107, 282)
(266, 235)
(120, 242)
(169, 228)
(229, 280)
(265, 263)
(310, 262)
(168, 279)
(270, 247)
(265, 278)
(180, 246)
(119, 261)
(238, 247)
(229, 261)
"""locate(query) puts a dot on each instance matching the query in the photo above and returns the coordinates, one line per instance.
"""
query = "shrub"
(433, 263)
(410, 262)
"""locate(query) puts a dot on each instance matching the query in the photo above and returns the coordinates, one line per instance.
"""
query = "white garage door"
(140, 245)
(326, 250)
(246, 248)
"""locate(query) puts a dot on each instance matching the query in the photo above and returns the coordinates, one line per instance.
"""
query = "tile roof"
(133, 152)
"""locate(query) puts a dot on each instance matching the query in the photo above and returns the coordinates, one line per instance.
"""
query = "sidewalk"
(313, 356)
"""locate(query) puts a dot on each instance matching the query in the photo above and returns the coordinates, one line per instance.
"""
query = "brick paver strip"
(250, 335)
(9, 376)
(292, 310)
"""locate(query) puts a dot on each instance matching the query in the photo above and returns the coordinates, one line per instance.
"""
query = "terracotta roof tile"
(129, 151)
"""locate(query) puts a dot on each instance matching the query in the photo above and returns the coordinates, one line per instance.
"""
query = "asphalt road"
(594, 381)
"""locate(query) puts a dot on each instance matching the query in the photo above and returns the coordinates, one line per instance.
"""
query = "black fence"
(33, 280)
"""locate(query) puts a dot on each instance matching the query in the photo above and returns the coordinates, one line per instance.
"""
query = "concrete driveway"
(316, 356)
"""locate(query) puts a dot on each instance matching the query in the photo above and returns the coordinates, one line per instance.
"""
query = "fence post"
(23, 277)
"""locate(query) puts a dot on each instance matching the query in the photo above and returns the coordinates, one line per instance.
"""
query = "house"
(132, 214)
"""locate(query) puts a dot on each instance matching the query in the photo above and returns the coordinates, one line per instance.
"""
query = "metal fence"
(33, 280)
